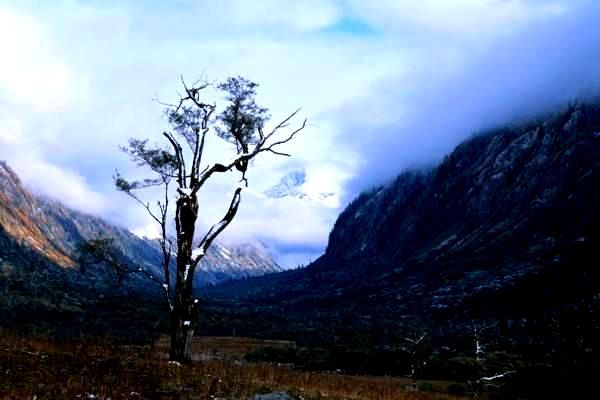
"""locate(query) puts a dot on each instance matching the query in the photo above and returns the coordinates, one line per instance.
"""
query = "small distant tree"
(477, 331)
(496, 379)
(415, 344)
(179, 169)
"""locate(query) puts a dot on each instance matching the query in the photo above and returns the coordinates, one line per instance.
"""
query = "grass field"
(44, 369)
(224, 347)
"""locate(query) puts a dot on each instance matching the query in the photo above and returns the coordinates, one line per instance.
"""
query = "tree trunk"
(182, 328)
(183, 314)
(181, 341)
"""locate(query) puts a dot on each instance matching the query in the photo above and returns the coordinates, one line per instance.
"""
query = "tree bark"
(183, 315)
(181, 340)
(178, 345)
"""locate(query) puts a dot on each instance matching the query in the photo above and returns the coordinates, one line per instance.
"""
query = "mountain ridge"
(505, 229)
(54, 230)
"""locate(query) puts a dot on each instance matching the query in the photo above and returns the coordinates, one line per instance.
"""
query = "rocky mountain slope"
(39, 269)
(53, 231)
(504, 232)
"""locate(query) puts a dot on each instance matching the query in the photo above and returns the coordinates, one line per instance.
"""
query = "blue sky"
(386, 85)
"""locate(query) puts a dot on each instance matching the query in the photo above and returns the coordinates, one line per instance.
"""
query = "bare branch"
(416, 341)
(245, 158)
(278, 153)
(168, 105)
(101, 251)
(180, 159)
(126, 187)
(165, 242)
(193, 93)
(497, 376)
(290, 137)
(282, 124)
(216, 229)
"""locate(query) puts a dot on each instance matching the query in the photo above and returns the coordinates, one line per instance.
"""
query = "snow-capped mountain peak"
(295, 184)
(288, 185)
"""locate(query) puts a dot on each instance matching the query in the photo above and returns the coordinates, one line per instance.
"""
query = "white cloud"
(474, 18)
(285, 222)
(11, 130)
(35, 87)
(77, 80)
(150, 230)
(307, 15)
(30, 73)
(51, 180)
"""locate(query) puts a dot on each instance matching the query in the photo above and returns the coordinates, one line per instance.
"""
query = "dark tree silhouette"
(180, 171)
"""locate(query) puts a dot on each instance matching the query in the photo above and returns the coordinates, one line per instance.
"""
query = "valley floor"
(34, 368)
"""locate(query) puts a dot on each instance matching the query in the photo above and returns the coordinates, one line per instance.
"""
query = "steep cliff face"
(52, 231)
(506, 228)
(504, 206)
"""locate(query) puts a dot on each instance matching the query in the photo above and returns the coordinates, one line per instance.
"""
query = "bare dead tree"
(477, 330)
(495, 381)
(414, 346)
(180, 168)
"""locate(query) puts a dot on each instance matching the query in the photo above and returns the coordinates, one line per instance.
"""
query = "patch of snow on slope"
(295, 184)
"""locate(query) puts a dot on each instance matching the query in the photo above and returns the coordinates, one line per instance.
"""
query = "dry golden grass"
(219, 347)
(43, 369)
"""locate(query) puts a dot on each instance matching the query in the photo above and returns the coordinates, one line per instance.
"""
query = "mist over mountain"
(46, 228)
(482, 83)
